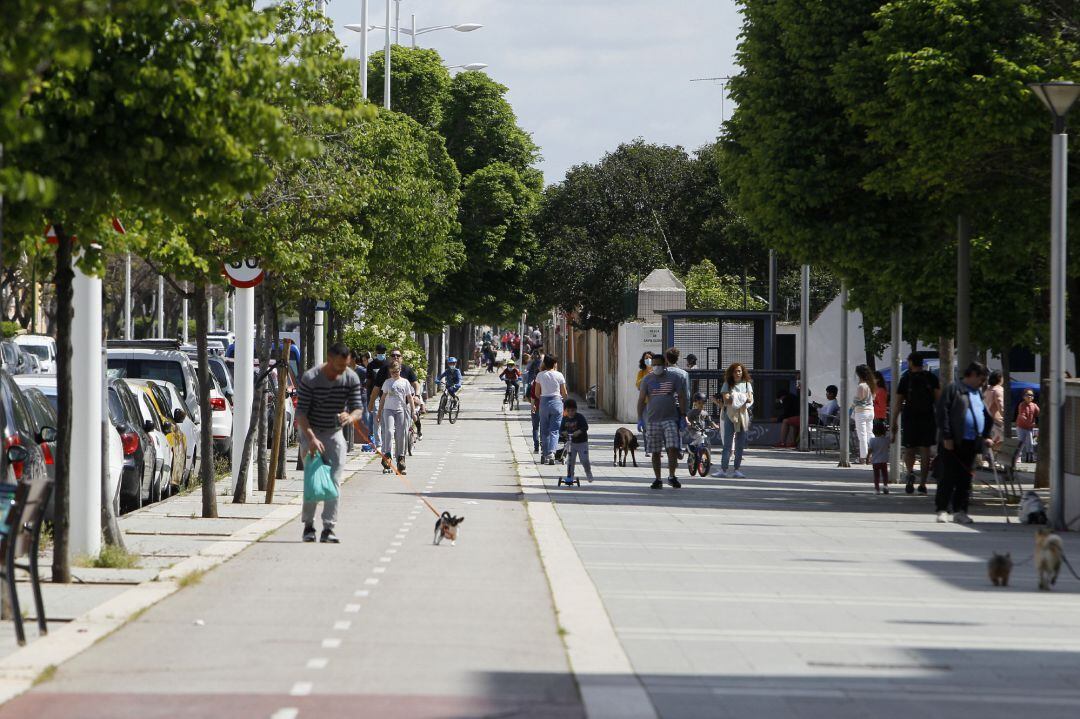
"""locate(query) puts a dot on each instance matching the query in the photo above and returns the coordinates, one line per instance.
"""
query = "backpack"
(920, 397)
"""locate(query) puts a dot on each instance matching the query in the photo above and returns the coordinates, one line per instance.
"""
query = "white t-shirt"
(397, 393)
(550, 381)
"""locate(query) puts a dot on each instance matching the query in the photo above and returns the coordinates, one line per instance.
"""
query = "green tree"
(708, 290)
(419, 84)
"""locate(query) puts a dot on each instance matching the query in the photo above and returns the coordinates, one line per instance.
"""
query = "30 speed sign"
(244, 273)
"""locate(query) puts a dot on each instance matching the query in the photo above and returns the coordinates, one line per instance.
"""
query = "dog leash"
(390, 463)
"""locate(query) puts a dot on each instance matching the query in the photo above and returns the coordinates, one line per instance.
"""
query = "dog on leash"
(625, 443)
(998, 568)
(446, 528)
(1048, 553)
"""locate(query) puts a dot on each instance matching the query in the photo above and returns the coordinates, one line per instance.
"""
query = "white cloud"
(585, 75)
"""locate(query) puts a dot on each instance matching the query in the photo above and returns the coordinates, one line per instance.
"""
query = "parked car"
(160, 434)
(27, 464)
(158, 398)
(219, 367)
(12, 359)
(140, 457)
(41, 346)
(221, 419)
(32, 362)
(158, 360)
(179, 415)
(221, 339)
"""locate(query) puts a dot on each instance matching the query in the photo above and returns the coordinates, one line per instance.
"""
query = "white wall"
(634, 338)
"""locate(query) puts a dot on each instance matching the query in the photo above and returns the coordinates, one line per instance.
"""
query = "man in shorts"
(658, 409)
(914, 401)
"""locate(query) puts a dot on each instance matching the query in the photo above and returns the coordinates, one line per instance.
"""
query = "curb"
(610, 688)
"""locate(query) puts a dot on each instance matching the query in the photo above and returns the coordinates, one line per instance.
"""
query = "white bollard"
(243, 375)
(320, 340)
(86, 372)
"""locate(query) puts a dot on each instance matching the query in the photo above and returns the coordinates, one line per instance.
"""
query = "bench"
(19, 543)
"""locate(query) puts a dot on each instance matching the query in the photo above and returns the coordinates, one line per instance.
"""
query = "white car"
(163, 470)
(179, 414)
(41, 346)
(221, 419)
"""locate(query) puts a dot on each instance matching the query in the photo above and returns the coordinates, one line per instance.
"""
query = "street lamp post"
(467, 66)
(1058, 97)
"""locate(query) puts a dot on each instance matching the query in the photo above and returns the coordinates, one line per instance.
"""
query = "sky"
(585, 75)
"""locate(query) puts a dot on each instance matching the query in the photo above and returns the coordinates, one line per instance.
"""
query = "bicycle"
(699, 459)
(449, 406)
(510, 397)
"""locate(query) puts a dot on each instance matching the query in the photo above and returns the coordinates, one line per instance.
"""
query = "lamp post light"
(468, 67)
(1058, 97)
(363, 28)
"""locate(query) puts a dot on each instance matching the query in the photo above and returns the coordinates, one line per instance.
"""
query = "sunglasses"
(395, 354)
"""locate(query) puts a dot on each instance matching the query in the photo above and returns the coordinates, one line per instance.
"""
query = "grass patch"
(563, 631)
(46, 675)
(110, 558)
(191, 578)
(222, 467)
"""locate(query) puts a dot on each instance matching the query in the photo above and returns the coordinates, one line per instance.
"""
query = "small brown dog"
(998, 568)
(446, 527)
(625, 443)
(1048, 553)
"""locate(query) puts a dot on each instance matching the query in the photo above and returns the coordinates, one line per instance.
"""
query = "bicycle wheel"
(442, 410)
(692, 463)
(409, 440)
(455, 410)
(704, 463)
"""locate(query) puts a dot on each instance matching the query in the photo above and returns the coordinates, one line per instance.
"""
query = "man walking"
(965, 432)
(373, 366)
(659, 411)
(916, 394)
(330, 397)
(531, 363)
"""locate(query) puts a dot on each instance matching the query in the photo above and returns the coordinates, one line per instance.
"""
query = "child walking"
(878, 455)
(1027, 418)
(576, 429)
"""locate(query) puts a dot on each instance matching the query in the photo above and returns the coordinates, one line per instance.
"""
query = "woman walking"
(397, 403)
(737, 397)
(862, 409)
(994, 399)
(881, 401)
(550, 390)
(644, 367)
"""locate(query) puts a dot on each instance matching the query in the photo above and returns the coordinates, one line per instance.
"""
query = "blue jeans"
(536, 429)
(550, 418)
(731, 437)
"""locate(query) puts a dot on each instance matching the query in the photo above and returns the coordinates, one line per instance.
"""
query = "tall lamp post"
(1059, 98)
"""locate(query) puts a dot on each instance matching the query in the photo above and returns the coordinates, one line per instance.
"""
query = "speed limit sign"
(244, 273)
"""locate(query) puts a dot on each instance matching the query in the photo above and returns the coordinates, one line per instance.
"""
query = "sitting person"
(830, 412)
(788, 406)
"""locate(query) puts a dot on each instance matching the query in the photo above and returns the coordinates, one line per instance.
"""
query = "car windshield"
(163, 370)
(116, 408)
(41, 351)
(11, 353)
(220, 373)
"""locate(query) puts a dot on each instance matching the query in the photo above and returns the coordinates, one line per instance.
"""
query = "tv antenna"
(723, 82)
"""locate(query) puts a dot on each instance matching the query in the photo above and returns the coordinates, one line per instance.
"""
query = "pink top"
(994, 399)
(1027, 416)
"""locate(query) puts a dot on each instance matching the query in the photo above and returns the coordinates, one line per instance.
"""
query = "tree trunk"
(269, 335)
(65, 276)
(946, 355)
(240, 493)
(206, 435)
(302, 331)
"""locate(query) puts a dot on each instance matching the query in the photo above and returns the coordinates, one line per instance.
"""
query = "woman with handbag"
(736, 399)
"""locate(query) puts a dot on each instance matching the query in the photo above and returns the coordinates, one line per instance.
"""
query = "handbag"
(318, 480)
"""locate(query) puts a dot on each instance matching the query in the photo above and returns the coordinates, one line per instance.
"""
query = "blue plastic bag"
(318, 480)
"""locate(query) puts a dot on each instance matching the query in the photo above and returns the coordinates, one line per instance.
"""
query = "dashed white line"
(352, 608)
(371, 581)
(331, 643)
(301, 689)
(399, 536)
(317, 663)
(395, 544)
(286, 713)
(385, 559)
(378, 570)
(342, 625)
(361, 593)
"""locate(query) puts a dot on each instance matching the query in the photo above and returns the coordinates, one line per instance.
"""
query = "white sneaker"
(723, 474)
(943, 517)
(738, 475)
(962, 517)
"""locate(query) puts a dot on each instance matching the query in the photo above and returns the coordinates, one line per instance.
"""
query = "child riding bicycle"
(451, 377)
(512, 376)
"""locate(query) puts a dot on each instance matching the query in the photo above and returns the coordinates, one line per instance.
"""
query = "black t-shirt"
(789, 406)
(917, 389)
(384, 374)
(373, 367)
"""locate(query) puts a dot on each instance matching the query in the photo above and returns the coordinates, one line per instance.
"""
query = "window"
(116, 407)
(148, 410)
(163, 370)
(41, 351)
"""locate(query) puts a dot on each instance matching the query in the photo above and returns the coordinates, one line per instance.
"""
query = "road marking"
(301, 689)
(407, 524)
(342, 625)
(378, 570)
(399, 536)
(352, 608)
(286, 713)
(371, 581)
(317, 663)
(391, 551)
(479, 456)
(395, 544)
(361, 593)
(331, 643)
(385, 559)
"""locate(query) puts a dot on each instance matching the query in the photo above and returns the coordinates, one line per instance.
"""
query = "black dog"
(446, 526)
(625, 443)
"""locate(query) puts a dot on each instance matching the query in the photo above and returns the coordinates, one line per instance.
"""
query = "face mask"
(380, 357)
(648, 361)
(658, 370)
(453, 366)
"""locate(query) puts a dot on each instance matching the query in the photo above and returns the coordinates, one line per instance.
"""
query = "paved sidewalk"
(799, 593)
(383, 625)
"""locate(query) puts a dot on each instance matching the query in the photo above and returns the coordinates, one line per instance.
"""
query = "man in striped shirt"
(329, 397)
